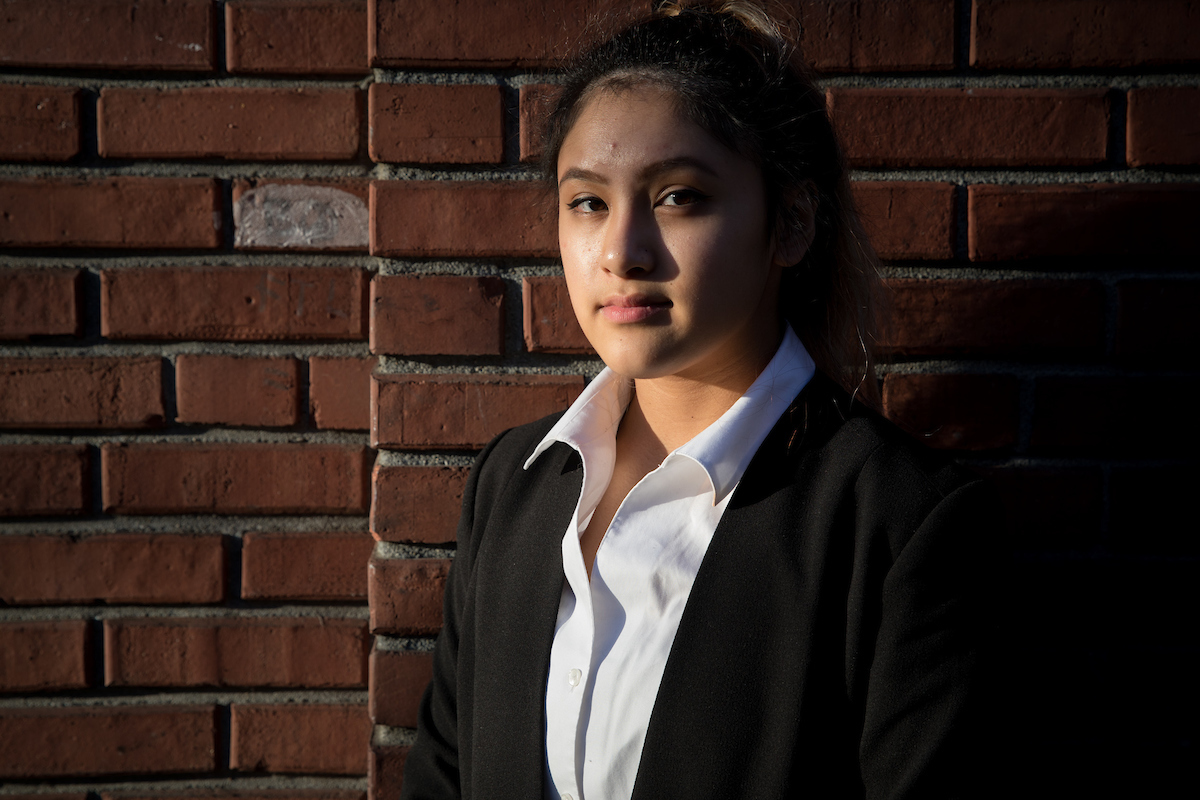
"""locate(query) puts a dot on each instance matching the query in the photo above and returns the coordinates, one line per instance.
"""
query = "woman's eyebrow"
(650, 170)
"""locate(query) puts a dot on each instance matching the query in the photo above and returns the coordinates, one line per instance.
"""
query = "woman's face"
(665, 243)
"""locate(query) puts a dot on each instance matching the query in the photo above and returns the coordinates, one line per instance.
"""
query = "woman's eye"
(682, 197)
(588, 205)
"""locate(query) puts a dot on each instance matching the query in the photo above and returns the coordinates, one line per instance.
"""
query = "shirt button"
(573, 678)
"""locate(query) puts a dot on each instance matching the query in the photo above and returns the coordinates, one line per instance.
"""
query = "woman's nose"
(629, 242)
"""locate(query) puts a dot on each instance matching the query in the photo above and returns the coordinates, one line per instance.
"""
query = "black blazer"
(829, 647)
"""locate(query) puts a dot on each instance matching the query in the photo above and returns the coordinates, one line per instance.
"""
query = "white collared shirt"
(614, 633)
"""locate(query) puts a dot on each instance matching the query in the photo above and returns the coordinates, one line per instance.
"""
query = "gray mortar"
(115, 698)
(236, 786)
(397, 551)
(1010, 81)
(232, 526)
(386, 736)
(240, 612)
(404, 644)
(515, 364)
(400, 458)
(190, 434)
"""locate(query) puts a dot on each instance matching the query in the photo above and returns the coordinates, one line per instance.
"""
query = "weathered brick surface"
(461, 411)
(235, 478)
(112, 34)
(416, 504)
(386, 773)
(236, 123)
(908, 219)
(398, 679)
(298, 215)
(868, 35)
(1074, 34)
(323, 739)
(535, 102)
(39, 123)
(112, 567)
(1103, 416)
(1154, 320)
(1051, 508)
(437, 315)
(960, 412)
(43, 479)
(80, 392)
(106, 740)
(429, 124)
(233, 303)
(971, 127)
(1040, 317)
(129, 212)
(467, 219)
(549, 320)
(478, 33)
(42, 656)
(1162, 126)
(303, 652)
(39, 302)
(406, 595)
(226, 390)
(339, 392)
(239, 793)
(309, 37)
(305, 566)
(1077, 220)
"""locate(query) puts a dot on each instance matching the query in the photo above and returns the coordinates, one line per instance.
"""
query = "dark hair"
(738, 77)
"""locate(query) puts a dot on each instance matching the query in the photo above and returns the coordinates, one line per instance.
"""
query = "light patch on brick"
(290, 215)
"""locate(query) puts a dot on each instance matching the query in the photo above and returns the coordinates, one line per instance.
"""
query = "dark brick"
(1162, 126)
(1154, 323)
(301, 37)
(432, 124)
(406, 595)
(549, 320)
(398, 679)
(40, 302)
(81, 392)
(909, 219)
(437, 315)
(322, 739)
(40, 123)
(959, 412)
(874, 36)
(416, 504)
(43, 479)
(41, 656)
(226, 390)
(305, 566)
(340, 392)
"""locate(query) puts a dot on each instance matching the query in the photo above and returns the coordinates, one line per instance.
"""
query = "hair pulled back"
(733, 73)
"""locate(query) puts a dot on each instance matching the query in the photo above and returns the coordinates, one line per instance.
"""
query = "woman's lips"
(632, 308)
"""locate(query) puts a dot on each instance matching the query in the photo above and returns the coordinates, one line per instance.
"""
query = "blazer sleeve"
(431, 769)
(924, 728)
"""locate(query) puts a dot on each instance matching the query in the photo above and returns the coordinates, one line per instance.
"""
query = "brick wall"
(220, 570)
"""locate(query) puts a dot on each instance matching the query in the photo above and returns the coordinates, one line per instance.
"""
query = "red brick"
(167, 213)
(549, 320)
(305, 566)
(1150, 509)
(971, 127)
(300, 738)
(907, 220)
(81, 392)
(305, 652)
(235, 478)
(461, 411)
(386, 773)
(340, 392)
(431, 124)
(234, 794)
(1108, 416)
(870, 36)
(406, 595)
(480, 33)
(235, 123)
(309, 37)
(320, 215)
(958, 412)
(40, 302)
(40, 123)
(113, 567)
(398, 679)
(1154, 320)
(43, 479)
(107, 740)
(1051, 508)
(468, 219)
(1073, 34)
(113, 34)
(233, 303)
(37, 656)
(437, 315)
(984, 317)
(416, 504)
(536, 101)
(1162, 126)
(1104, 220)
(225, 390)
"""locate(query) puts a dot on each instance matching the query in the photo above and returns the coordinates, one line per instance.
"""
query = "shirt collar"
(723, 449)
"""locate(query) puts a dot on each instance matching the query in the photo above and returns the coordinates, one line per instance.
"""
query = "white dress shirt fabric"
(614, 633)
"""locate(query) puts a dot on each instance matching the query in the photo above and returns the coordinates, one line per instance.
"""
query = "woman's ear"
(795, 227)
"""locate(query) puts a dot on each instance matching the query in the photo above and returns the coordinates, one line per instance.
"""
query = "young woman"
(718, 574)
